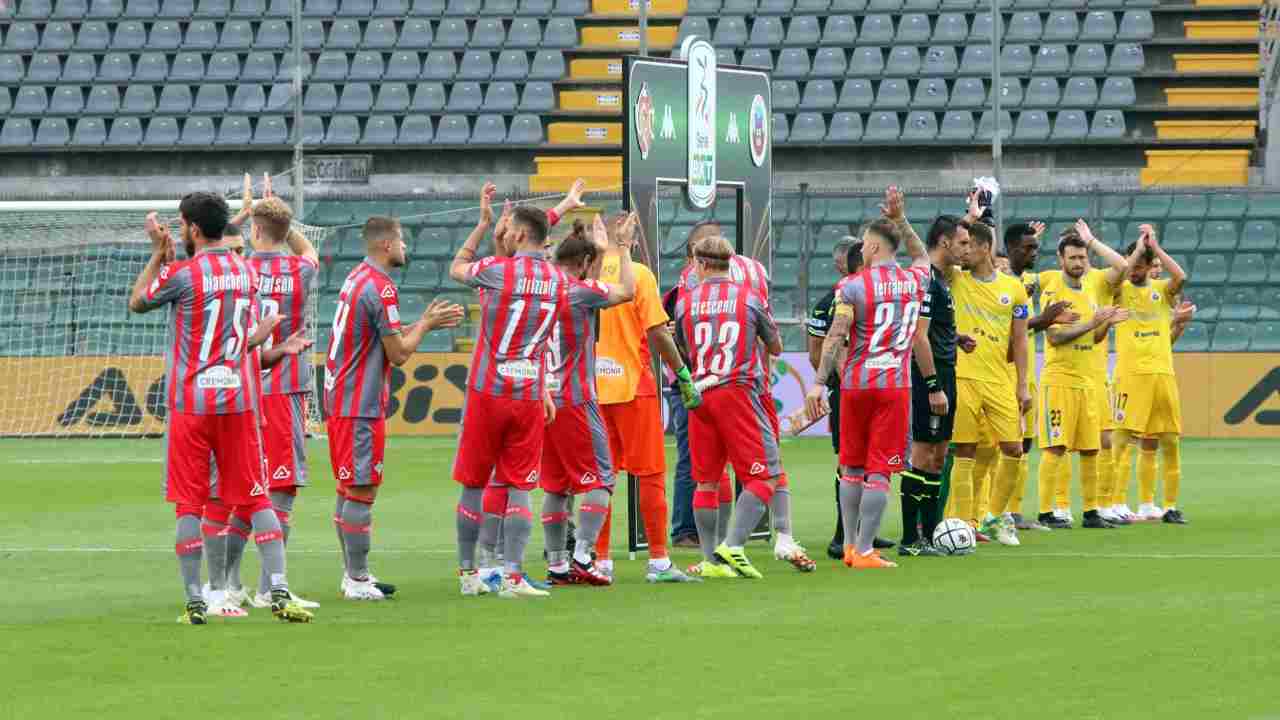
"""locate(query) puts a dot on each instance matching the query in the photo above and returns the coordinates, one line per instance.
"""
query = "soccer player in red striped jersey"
(209, 381)
(367, 340)
(507, 405)
(881, 305)
(727, 327)
(575, 455)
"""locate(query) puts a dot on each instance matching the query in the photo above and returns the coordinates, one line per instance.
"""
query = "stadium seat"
(792, 63)
(1100, 26)
(201, 35)
(1268, 303)
(731, 30)
(1080, 92)
(1041, 92)
(464, 97)
(1258, 235)
(920, 125)
(882, 127)
(951, 28)
(161, 131)
(500, 8)
(1219, 236)
(252, 9)
(693, 25)
(957, 125)
(781, 128)
(1136, 25)
(21, 36)
(786, 94)
(1239, 303)
(845, 127)
(839, 31)
(105, 9)
(488, 34)
(31, 100)
(428, 97)
(489, 130)
(500, 97)
(248, 99)
(877, 29)
(1195, 338)
(971, 93)
(31, 9)
(273, 35)
(476, 65)
(766, 32)
(141, 100)
(453, 130)
(526, 130)
(903, 60)
(213, 8)
(930, 93)
(976, 60)
(234, 130)
(1127, 58)
(913, 29)
(356, 97)
(343, 130)
(70, 9)
(1227, 205)
(440, 65)
(178, 9)
(808, 127)
(702, 7)
(259, 67)
(44, 68)
(547, 65)
(280, 97)
(427, 8)
(463, 8)
(1231, 336)
(1061, 27)
(142, 9)
(1151, 206)
(366, 66)
(68, 100)
(392, 97)
(53, 132)
(403, 66)
(1024, 27)
(738, 7)
(58, 36)
(355, 8)
(165, 35)
(525, 33)
(236, 35)
(124, 131)
(187, 66)
(1051, 60)
(980, 31)
(940, 60)
(1107, 125)
(11, 70)
(761, 58)
(1032, 125)
(1176, 236)
(856, 94)
(380, 130)
(89, 132)
(725, 56)
(380, 35)
(1266, 337)
(211, 99)
(893, 95)
(1247, 268)
(320, 8)
(93, 36)
(1209, 268)
(312, 130)
(560, 33)
(17, 132)
(829, 62)
(987, 125)
(320, 97)
(224, 66)
(331, 66)
(103, 100)
(415, 130)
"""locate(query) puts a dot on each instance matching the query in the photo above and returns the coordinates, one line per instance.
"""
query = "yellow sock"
(984, 461)
(1171, 468)
(1062, 484)
(1089, 481)
(1147, 476)
(1019, 487)
(1046, 479)
(1005, 482)
(962, 488)
(1106, 478)
(1121, 467)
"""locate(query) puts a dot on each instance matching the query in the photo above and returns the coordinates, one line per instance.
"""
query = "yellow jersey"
(624, 367)
(1143, 344)
(985, 310)
(1076, 364)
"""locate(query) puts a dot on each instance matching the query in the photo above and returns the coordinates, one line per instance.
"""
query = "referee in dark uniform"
(933, 394)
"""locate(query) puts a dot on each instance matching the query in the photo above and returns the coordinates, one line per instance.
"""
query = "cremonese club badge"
(759, 130)
(644, 121)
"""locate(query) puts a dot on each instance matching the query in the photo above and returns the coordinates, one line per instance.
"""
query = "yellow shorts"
(995, 404)
(1068, 417)
(1029, 419)
(1107, 408)
(1148, 404)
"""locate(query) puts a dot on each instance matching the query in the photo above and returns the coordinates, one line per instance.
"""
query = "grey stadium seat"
(440, 65)
(403, 66)
(236, 35)
(161, 131)
(957, 125)
(792, 63)
(143, 9)
(201, 35)
(818, 95)
(234, 130)
(1136, 25)
(141, 100)
(280, 98)
(248, 99)
(259, 67)
(781, 129)
(366, 66)
(951, 28)
(67, 100)
(856, 94)
(58, 36)
(17, 132)
(725, 56)
(93, 36)
(356, 97)
(903, 60)
(803, 30)
(165, 35)
(181, 9)
(343, 130)
(976, 60)
(476, 65)
(312, 130)
(70, 9)
(105, 9)
(511, 65)
(940, 60)
(89, 131)
(560, 32)
(320, 8)
(1062, 27)
(981, 29)
(380, 35)
(211, 99)
(79, 68)
(1107, 124)
(415, 130)
(343, 35)
(920, 125)
(248, 8)
(489, 130)
(224, 66)
(502, 8)
(31, 100)
(548, 65)
(187, 66)
(355, 8)
(320, 97)
(881, 127)
(808, 127)
(730, 31)
(1118, 92)
(1080, 92)
(428, 97)
(271, 130)
(1089, 58)
(332, 66)
(1042, 92)
(845, 127)
(987, 125)
(1099, 25)
(1016, 59)
(44, 68)
(488, 34)
(830, 62)
(125, 131)
(968, 93)
(453, 130)
(758, 58)
(312, 35)
(877, 29)
(1052, 60)
(465, 97)
(1032, 125)
(427, 8)
(452, 33)
(893, 93)
(840, 31)
(380, 130)
(500, 97)
(930, 93)
(1024, 27)
(415, 35)
(524, 33)
(692, 25)
(463, 8)
(103, 100)
(738, 7)
(272, 34)
(786, 94)
(213, 8)
(392, 97)
(775, 7)
(118, 67)
(11, 70)
(765, 32)
(22, 36)
(1127, 58)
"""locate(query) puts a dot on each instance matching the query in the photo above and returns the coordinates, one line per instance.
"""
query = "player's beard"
(188, 243)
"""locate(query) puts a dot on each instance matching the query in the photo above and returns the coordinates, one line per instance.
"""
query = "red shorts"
(636, 435)
(731, 425)
(501, 437)
(575, 454)
(874, 426)
(193, 443)
(356, 450)
(284, 439)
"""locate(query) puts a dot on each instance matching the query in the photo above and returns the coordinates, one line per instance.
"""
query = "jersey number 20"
(886, 314)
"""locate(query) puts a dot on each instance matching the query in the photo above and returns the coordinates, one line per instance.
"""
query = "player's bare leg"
(470, 517)
(189, 547)
(752, 504)
(785, 546)
(357, 535)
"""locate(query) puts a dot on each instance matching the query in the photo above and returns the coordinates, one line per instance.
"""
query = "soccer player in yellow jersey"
(991, 307)
(1069, 411)
(1146, 393)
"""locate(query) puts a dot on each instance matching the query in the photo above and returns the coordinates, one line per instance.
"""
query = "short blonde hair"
(274, 217)
(715, 251)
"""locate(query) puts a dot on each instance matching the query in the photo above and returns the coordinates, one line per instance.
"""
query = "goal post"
(74, 362)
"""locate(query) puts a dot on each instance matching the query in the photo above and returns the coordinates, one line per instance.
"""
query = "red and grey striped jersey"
(207, 371)
(571, 354)
(284, 286)
(745, 271)
(722, 322)
(886, 299)
(357, 370)
(524, 296)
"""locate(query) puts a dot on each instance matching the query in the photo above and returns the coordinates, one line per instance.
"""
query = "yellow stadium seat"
(626, 37)
(595, 69)
(1214, 97)
(609, 101)
(1215, 62)
(1196, 167)
(1206, 129)
(584, 133)
(630, 8)
(1221, 29)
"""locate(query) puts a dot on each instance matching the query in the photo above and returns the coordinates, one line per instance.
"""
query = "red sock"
(653, 511)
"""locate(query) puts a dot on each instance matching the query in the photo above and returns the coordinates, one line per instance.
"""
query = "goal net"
(73, 360)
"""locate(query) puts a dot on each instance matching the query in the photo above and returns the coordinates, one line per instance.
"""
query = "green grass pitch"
(1146, 621)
